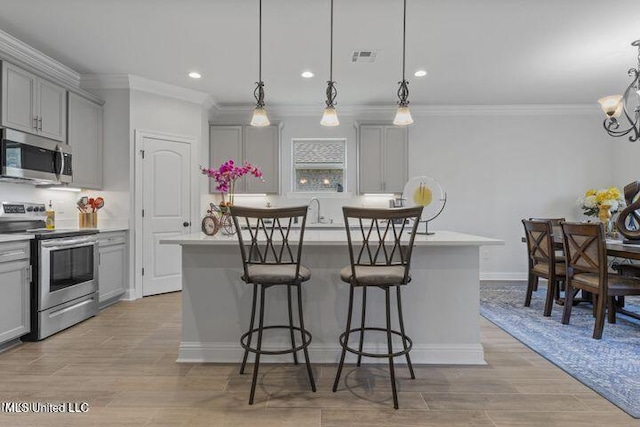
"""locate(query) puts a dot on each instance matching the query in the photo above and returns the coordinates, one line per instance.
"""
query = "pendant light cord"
(403, 90)
(331, 46)
(331, 91)
(404, 37)
(260, 41)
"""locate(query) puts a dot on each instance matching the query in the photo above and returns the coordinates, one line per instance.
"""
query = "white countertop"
(18, 237)
(338, 237)
(14, 237)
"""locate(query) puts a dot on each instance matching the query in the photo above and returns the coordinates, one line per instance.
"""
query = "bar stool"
(271, 257)
(380, 254)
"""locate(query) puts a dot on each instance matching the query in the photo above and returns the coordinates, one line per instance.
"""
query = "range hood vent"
(364, 55)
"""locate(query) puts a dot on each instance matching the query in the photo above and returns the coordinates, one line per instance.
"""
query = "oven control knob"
(42, 209)
(30, 209)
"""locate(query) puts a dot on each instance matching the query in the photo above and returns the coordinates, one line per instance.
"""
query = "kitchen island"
(440, 304)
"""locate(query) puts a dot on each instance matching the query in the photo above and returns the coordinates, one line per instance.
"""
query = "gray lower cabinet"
(383, 158)
(112, 267)
(259, 146)
(15, 282)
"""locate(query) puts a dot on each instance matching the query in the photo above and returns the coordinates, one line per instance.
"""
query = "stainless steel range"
(64, 286)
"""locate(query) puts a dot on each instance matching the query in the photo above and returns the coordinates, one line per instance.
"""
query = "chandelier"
(403, 115)
(259, 113)
(627, 104)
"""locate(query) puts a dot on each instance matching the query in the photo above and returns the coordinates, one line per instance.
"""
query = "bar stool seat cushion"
(375, 275)
(273, 274)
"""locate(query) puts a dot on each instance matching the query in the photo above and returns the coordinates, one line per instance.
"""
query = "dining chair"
(587, 268)
(271, 256)
(557, 239)
(542, 261)
(380, 247)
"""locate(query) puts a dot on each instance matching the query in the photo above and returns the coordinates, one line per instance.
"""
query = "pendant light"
(259, 113)
(330, 116)
(403, 115)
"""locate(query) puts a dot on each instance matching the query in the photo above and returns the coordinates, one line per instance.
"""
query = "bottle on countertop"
(50, 221)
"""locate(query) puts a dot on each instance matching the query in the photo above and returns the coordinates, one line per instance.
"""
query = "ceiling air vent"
(363, 56)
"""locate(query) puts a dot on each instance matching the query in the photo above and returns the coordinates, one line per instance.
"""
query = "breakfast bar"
(440, 304)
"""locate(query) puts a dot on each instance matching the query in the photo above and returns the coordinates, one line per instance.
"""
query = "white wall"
(624, 160)
(496, 169)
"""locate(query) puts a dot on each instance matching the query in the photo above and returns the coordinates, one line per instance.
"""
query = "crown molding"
(104, 81)
(421, 110)
(133, 82)
(23, 55)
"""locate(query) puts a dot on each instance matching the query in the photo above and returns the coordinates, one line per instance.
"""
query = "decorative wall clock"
(427, 192)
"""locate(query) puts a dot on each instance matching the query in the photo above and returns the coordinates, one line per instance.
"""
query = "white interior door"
(166, 204)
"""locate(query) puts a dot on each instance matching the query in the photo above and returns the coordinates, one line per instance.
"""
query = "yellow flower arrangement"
(593, 199)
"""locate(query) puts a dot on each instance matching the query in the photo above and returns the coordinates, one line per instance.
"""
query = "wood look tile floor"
(123, 364)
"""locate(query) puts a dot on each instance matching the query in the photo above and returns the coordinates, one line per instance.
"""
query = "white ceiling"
(476, 51)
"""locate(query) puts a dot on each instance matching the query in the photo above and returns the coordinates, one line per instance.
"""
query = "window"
(319, 165)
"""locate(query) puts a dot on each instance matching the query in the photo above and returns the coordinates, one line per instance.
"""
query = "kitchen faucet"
(318, 202)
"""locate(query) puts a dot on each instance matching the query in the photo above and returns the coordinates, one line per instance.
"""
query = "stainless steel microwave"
(31, 158)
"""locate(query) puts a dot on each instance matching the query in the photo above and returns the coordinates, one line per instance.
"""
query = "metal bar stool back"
(380, 247)
(271, 249)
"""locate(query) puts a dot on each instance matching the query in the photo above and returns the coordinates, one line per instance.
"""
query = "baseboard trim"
(10, 344)
(503, 277)
(129, 295)
(429, 354)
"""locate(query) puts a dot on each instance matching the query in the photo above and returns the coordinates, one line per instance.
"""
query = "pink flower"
(227, 174)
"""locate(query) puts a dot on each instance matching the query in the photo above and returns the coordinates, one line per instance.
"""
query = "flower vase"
(604, 215)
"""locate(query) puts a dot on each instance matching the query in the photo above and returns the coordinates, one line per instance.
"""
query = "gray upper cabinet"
(33, 104)
(383, 157)
(85, 139)
(261, 148)
(258, 145)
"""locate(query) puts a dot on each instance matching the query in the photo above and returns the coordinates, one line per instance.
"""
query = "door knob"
(186, 224)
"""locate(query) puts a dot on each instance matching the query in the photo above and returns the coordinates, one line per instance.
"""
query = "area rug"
(610, 366)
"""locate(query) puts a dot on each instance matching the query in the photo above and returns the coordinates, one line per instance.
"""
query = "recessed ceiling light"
(194, 75)
(420, 73)
(307, 74)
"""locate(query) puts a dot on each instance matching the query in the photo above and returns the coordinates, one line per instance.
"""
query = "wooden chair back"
(555, 225)
(377, 237)
(539, 236)
(272, 237)
(585, 250)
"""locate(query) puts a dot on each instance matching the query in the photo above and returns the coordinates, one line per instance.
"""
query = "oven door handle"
(78, 243)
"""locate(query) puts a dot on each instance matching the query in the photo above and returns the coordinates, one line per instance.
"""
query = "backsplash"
(331, 180)
(64, 204)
